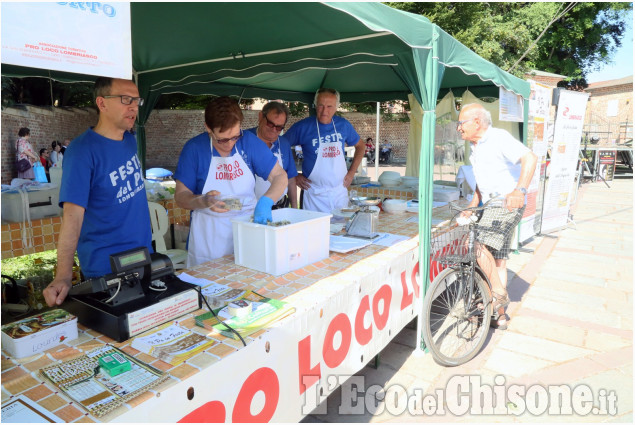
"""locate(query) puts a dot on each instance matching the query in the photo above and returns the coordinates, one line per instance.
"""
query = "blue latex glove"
(262, 213)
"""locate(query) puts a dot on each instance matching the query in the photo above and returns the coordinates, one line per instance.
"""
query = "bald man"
(502, 165)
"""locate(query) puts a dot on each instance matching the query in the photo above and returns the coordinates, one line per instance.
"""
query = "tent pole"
(51, 89)
(377, 145)
(429, 93)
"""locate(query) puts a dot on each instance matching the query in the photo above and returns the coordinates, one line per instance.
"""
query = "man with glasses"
(215, 178)
(324, 178)
(102, 190)
(502, 165)
(271, 121)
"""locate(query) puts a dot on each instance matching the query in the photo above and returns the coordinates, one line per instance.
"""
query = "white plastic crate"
(43, 202)
(279, 250)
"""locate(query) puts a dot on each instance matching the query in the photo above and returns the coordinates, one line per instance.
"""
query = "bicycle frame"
(472, 265)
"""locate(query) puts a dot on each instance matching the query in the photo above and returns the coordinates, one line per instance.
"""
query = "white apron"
(263, 185)
(327, 191)
(211, 232)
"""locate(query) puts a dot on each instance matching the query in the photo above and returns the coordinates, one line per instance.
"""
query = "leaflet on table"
(265, 311)
(21, 409)
(194, 280)
(87, 383)
(215, 294)
(388, 239)
(434, 221)
(171, 343)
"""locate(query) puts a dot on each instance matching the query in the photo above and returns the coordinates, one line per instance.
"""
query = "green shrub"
(39, 264)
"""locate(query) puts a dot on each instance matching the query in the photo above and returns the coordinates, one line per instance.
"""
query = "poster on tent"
(564, 158)
(80, 37)
(510, 107)
(539, 105)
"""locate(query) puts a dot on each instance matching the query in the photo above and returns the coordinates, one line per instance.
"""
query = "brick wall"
(596, 118)
(46, 125)
(166, 131)
(546, 80)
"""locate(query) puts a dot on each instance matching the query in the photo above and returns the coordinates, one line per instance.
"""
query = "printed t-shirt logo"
(121, 177)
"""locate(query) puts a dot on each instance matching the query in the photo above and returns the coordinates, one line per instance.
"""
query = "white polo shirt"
(496, 162)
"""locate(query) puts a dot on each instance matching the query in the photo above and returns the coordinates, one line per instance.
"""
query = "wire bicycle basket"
(451, 245)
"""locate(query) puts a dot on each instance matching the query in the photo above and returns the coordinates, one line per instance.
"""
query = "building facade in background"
(609, 114)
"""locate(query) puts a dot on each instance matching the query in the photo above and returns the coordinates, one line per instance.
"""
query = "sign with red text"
(81, 37)
(607, 159)
(564, 159)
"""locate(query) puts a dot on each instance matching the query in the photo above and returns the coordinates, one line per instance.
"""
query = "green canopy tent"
(368, 51)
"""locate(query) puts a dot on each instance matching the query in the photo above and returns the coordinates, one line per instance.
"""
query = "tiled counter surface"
(42, 234)
(404, 193)
(303, 288)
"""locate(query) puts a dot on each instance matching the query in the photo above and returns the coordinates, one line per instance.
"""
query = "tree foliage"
(582, 40)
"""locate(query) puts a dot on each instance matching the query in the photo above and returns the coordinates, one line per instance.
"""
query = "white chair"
(160, 225)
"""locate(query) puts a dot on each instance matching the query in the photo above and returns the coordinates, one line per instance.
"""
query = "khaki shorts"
(496, 228)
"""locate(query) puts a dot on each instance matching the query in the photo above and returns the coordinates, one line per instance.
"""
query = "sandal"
(496, 321)
(499, 301)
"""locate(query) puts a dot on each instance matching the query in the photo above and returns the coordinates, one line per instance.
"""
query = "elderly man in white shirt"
(502, 165)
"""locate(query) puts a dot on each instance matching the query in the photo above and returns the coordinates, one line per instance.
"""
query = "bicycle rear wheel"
(457, 316)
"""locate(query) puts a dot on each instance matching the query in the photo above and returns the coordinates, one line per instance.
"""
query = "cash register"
(141, 292)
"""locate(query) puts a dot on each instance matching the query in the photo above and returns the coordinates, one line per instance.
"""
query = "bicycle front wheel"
(457, 311)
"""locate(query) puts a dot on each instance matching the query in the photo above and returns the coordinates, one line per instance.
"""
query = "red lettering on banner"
(308, 375)
(363, 335)
(406, 298)
(265, 380)
(210, 412)
(333, 357)
(384, 293)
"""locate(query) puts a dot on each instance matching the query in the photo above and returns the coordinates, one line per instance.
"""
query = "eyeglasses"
(272, 125)
(231, 139)
(460, 123)
(126, 100)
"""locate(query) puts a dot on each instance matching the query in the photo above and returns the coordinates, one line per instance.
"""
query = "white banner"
(564, 159)
(81, 37)
(539, 104)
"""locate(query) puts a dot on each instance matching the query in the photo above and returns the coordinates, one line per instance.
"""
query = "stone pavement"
(571, 325)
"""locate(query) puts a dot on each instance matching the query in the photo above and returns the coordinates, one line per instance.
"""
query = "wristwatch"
(522, 190)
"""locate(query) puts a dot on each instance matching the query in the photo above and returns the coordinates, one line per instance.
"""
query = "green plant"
(39, 264)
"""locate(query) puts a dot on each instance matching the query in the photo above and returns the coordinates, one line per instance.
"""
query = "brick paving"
(572, 324)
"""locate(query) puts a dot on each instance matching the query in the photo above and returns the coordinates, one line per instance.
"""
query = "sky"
(622, 63)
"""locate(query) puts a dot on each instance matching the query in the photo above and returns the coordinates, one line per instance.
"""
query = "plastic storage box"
(43, 202)
(279, 250)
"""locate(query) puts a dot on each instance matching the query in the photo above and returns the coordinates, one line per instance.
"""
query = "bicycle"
(458, 303)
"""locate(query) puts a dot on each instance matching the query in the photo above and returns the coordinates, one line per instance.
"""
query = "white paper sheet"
(345, 244)
(194, 280)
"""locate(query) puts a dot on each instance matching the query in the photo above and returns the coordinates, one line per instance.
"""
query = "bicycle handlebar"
(498, 201)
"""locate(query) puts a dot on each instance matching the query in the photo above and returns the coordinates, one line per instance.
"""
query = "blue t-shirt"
(283, 147)
(196, 158)
(104, 177)
(304, 133)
